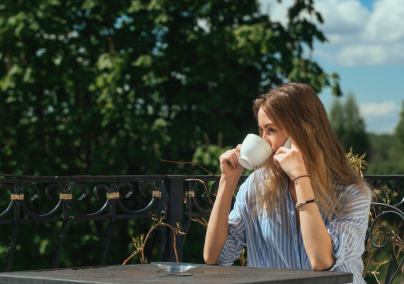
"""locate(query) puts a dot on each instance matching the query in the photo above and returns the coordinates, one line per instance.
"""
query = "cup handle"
(245, 162)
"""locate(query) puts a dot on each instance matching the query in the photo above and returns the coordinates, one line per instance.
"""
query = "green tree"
(336, 117)
(399, 131)
(388, 151)
(348, 125)
(97, 87)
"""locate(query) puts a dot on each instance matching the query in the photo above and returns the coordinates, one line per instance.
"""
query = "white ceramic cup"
(255, 151)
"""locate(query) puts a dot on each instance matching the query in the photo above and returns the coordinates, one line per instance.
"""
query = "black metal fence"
(169, 192)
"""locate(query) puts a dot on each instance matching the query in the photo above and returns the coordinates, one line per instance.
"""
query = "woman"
(326, 233)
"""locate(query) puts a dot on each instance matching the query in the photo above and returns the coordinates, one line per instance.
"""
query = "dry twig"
(192, 163)
(203, 222)
(206, 188)
(138, 241)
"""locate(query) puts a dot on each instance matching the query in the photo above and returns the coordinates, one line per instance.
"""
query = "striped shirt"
(274, 242)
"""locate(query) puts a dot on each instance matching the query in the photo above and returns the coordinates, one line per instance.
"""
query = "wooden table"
(150, 273)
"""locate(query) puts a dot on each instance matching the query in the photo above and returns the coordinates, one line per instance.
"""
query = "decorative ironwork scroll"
(166, 195)
(68, 187)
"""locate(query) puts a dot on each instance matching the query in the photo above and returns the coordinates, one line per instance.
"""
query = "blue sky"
(366, 48)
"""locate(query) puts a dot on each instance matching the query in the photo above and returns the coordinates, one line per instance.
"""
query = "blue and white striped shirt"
(274, 242)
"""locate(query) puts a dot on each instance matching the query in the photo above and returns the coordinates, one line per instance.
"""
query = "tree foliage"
(388, 151)
(399, 131)
(92, 87)
(348, 125)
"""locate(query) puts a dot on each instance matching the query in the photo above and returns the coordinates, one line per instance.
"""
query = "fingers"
(232, 160)
(282, 150)
(230, 157)
(279, 155)
(235, 163)
(289, 156)
(238, 149)
(276, 162)
(237, 154)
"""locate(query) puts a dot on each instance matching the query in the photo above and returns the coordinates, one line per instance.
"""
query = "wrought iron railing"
(379, 210)
(69, 212)
(169, 192)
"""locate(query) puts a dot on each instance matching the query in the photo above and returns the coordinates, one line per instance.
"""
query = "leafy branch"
(380, 230)
(242, 258)
(140, 244)
(377, 264)
(204, 222)
(357, 164)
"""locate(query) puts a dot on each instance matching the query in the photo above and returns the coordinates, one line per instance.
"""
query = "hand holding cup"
(255, 151)
(229, 165)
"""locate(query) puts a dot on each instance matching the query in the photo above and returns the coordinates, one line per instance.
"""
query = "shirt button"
(296, 238)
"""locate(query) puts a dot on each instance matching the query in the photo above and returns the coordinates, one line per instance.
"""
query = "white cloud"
(386, 22)
(357, 36)
(342, 18)
(379, 116)
(378, 109)
(277, 11)
(371, 54)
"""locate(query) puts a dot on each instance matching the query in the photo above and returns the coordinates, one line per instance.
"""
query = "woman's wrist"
(304, 189)
(229, 178)
(296, 179)
(228, 183)
(296, 175)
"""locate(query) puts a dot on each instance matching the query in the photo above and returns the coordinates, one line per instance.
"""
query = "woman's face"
(271, 133)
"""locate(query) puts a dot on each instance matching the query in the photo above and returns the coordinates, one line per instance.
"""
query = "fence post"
(17, 216)
(174, 215)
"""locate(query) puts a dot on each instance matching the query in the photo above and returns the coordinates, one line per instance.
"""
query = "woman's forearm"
(216, 234)
(317, 241)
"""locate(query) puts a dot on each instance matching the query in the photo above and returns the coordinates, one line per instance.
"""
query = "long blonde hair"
(296, 109)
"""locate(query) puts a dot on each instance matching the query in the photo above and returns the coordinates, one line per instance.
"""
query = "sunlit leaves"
(143, 61)
(357, 163)
(105, 61)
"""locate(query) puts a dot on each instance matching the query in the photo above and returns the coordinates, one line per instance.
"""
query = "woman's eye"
(270, 130)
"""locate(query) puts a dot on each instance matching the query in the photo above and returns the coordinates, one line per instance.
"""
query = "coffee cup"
(255, 151)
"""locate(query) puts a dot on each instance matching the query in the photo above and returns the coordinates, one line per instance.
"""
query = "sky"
(366, 48)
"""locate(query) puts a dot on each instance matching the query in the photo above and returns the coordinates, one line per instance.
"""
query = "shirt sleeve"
(348, 231)
(236, 237)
